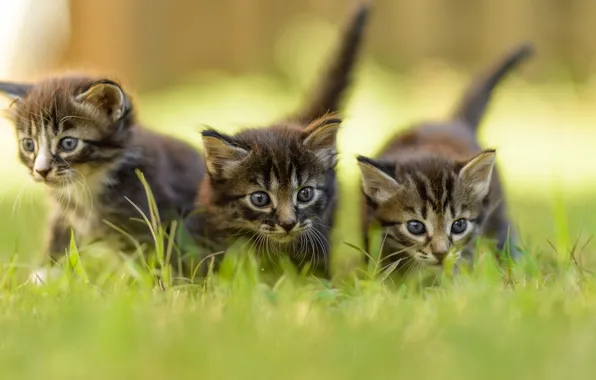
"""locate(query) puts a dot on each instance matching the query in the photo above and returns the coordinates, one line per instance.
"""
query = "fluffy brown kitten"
(79, 137)
(277, 185)
(433, 190)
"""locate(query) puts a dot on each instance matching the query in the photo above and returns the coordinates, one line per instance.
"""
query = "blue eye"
(306, 194)
(259, 199)
(68, 143)
(416, 227)
(459, 226)
(28, 145)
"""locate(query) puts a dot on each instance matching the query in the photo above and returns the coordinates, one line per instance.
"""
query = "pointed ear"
(321, 138)
(107, 97)
(222, 155)
(15, 91)
(376, 183)
(477, 173)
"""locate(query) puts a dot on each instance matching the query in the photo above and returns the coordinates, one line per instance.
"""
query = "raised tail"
(473, 105)
(336, 78)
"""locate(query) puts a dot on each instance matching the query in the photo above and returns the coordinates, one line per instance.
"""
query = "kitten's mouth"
(46, 181)
(53, 182)
(431, 261)
(56, 180)
(284, 237)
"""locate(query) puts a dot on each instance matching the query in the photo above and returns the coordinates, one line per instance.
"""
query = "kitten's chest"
(86, 213)
(81, 210)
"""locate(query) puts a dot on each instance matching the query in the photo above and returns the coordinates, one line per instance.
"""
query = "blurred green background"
(235, 63)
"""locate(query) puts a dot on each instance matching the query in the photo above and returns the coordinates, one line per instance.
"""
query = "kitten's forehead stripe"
(421, 188)
(449, 191)
(410, 209)
(274, 180)
(431, 191)
(424, 211)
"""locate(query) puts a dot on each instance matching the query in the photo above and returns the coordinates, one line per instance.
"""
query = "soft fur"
(95, 181)
(437, 175)
(286, 162)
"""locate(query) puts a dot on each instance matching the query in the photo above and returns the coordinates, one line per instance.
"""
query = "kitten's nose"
(440, 255)
(43, 172)
(288, 225)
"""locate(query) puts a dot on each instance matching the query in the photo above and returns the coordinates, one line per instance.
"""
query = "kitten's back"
(456, 136)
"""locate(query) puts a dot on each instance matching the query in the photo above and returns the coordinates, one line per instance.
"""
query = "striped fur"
(96, 181)
(281, 160)
(436, 174)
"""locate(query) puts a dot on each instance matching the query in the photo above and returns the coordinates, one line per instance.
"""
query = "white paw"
(42, 276)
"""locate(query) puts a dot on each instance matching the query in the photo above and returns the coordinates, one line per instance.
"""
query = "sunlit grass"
(536, 320)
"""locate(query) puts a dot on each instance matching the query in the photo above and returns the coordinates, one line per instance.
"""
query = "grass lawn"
(534, 320)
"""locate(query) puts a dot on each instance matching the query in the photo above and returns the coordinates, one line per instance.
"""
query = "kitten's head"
(69, 126)
(276, 182)
(429, 207)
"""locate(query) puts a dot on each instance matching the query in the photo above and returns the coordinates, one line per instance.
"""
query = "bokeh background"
(235, 63)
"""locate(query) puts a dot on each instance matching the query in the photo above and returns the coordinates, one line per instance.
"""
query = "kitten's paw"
(41, 276)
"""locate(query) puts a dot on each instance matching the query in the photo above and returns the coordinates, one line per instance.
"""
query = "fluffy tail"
(336, 78)
(473, 105)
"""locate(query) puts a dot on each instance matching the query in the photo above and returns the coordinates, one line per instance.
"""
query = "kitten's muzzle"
(288, 226)
(287, 231)
(43, 172)
(48, 177)
(440, 255)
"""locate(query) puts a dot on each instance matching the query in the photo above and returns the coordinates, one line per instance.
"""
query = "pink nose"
(440, 255)
(287, 226)
(43, 172)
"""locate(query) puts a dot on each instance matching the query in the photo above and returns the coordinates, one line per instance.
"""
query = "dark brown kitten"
(79, 137)
(433, 190)
(277, 185)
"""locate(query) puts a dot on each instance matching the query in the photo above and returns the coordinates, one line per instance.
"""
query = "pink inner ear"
(477, 173)
(107, 97)
(221, 157)
(322, 134)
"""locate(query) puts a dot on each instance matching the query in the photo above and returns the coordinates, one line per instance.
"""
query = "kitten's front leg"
(58, 242)
(59, 239)
(201, 246)
(499, 228)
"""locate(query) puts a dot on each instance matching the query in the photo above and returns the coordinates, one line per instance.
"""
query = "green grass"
(537, 322)
(108, 319)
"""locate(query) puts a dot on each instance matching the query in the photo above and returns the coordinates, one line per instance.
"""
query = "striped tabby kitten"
(79, 137)
(433, 190)
(277, 185)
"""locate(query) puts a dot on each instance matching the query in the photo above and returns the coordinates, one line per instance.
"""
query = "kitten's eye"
(306, 194)
(459, 226)
(416, 227)
(28, 145)
(68, 143)
(259, 199)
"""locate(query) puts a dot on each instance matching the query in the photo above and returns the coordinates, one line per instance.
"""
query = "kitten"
(277, 185)
(433, 190)
(79, 136)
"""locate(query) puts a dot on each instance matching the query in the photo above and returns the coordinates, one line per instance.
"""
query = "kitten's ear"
(477, 172)
(106, 96)
(376, 183)
(321, 137)
(222, 155)
(15, 91)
